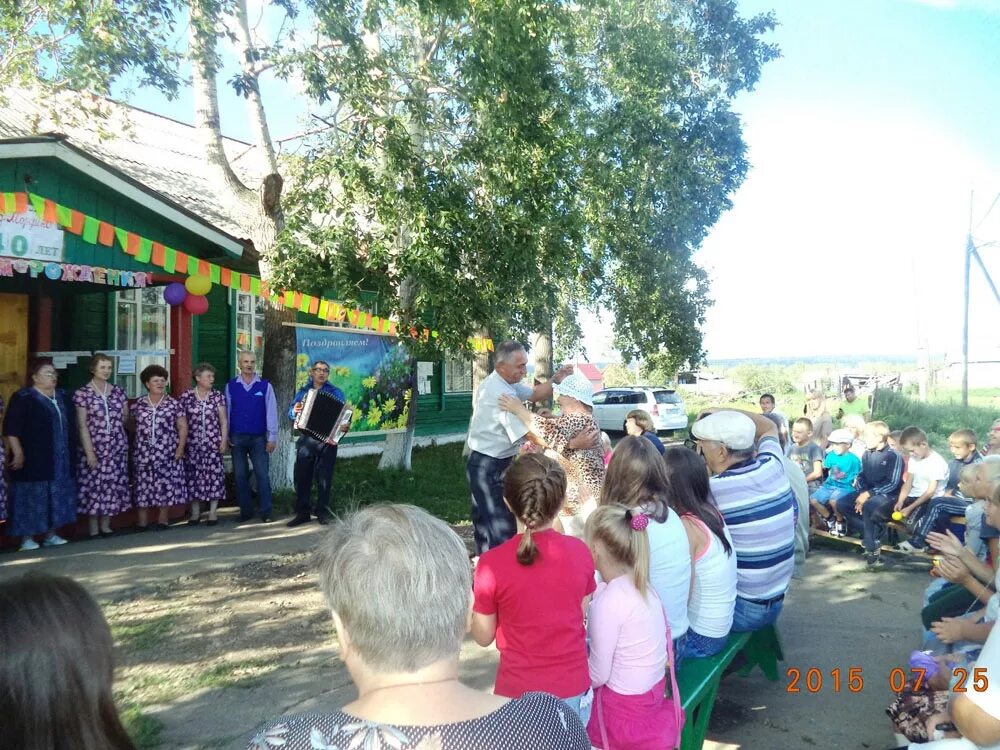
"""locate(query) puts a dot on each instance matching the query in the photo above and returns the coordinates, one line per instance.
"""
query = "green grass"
(436, 483)
(143, 635)
(938, 420)
(144, 730)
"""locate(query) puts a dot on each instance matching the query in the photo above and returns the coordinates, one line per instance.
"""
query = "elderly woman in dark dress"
(398, 582)
(40, 428)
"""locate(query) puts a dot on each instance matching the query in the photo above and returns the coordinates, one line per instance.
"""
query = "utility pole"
(965, 322)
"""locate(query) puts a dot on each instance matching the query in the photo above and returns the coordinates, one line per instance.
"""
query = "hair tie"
(638, 521)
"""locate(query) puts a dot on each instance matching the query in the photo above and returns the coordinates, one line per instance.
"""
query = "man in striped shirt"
(752, 491)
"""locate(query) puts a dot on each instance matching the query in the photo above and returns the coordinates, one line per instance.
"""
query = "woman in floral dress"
(158, 454)
(102, 474)
(208, 436)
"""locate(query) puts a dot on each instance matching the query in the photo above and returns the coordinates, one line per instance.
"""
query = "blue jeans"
(828, 493)
(249, 449)
(752, 615)
(492, 523)
(576, 704)
(702, 646)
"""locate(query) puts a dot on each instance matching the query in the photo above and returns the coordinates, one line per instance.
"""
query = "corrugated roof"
(162, 154)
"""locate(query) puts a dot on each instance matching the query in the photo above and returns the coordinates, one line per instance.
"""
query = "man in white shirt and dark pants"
(494, 439)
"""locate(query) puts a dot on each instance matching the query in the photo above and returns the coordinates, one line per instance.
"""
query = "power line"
(988, 211)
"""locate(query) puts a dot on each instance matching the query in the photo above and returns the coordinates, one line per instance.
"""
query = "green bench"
(698, 681)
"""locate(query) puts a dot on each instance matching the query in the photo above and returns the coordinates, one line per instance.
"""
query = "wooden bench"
(698, 680)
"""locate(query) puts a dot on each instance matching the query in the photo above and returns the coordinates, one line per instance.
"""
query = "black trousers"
(492, 523)
(314, 459)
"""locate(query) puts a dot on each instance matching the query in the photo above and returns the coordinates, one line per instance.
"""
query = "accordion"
(323, 416)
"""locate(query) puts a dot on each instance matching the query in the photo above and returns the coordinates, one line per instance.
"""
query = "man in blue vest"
(253, 433)
(313, 458)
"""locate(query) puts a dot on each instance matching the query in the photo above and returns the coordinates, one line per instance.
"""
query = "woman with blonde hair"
(397, 581)
(637, 479)
(817, 412)
(629, 639)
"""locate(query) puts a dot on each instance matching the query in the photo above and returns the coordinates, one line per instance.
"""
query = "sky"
(869, 139)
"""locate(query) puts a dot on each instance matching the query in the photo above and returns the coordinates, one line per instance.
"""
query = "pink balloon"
(174, 294)
(196, 304)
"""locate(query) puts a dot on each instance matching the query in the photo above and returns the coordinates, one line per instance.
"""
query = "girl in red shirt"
(531, 591)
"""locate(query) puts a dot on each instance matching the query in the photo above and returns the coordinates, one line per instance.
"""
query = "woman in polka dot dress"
(208, 436)
(158, 454)
(102, 474)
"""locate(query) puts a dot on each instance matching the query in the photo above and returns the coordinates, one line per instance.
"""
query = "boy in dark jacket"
(878, 484)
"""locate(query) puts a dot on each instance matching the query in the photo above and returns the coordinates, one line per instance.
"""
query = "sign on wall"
(27, 237)
(374, 372)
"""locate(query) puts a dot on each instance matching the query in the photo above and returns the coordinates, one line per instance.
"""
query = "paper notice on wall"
(61, 361)
(126, 364)
(425, 372)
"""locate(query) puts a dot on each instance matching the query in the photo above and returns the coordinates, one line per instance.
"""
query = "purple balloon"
(175, 294)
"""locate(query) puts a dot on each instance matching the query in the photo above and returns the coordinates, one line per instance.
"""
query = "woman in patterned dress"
(102, 474)
(41, 433)
(208, 436)
(584, 467)
(158, 454)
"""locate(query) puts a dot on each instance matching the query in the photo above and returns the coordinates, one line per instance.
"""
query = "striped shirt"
(757, 502)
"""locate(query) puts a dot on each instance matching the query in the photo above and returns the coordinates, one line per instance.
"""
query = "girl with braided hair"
(531, 592)
(631, 656)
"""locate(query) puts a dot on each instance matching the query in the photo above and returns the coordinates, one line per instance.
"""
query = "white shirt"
(492, 431)
(670, 570)
(989, 699)
(924, 470)
(713, 594)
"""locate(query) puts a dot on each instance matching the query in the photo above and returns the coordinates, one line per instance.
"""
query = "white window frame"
(448, 373)
(130, 382)
(256, 325)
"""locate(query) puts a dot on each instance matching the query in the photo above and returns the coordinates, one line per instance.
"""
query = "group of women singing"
(96, 454)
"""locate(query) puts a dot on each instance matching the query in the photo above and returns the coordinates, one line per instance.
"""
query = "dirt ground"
(211, 656)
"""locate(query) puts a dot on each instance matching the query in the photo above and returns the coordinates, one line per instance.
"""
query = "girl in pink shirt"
(630, 651)
(531, 591)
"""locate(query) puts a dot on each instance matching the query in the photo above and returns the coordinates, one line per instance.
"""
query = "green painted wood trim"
(443, 385)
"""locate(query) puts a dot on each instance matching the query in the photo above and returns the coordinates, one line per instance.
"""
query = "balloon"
(196, 304)
(175, 294)
(198, 284)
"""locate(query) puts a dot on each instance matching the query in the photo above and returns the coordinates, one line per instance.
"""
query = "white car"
(664, 405)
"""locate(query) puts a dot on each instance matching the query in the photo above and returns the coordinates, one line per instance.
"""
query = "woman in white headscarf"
(560, 436)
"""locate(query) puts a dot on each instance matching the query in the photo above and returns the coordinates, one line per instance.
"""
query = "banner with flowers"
(374, 372)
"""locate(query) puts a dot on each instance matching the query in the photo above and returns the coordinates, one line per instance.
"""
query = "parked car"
(664, 405)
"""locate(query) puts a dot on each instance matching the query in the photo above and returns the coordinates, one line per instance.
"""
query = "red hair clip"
(638, 520)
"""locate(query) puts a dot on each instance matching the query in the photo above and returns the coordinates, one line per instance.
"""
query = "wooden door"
(13, 343)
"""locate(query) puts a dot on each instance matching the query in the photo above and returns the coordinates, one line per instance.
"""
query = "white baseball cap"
(576, 386)
(841, 436)
(732, 429)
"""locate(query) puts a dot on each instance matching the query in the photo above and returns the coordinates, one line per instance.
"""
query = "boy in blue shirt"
(843, 468)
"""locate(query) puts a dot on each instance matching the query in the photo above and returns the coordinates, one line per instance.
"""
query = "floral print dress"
(159, 477)
(205, 473)
(104, 490)
(531, 722)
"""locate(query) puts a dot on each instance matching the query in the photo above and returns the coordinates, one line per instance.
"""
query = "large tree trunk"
(258, 211)
(541, 352)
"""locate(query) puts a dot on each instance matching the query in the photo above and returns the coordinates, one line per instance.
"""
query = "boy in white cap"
(752, 491)
(842, 468)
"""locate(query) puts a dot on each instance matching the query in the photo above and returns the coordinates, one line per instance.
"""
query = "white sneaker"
(53, 541)
(907, 548)
(28, 545)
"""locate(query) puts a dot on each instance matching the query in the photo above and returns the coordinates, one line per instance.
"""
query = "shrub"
(937, 420)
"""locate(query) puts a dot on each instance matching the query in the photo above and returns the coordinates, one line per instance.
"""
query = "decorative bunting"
(96, 232)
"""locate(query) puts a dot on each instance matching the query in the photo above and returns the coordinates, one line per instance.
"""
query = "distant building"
(593, 374)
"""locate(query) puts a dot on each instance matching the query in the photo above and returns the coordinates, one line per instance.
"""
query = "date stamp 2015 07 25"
(815, 680)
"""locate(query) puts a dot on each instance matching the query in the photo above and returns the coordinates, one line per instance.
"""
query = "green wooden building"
(63, 297)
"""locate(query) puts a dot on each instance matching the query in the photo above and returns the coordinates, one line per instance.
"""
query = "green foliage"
(143, 729)
(487, 162)
(616, 375)
(88, 45)
(937, 420)
(758, 379)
